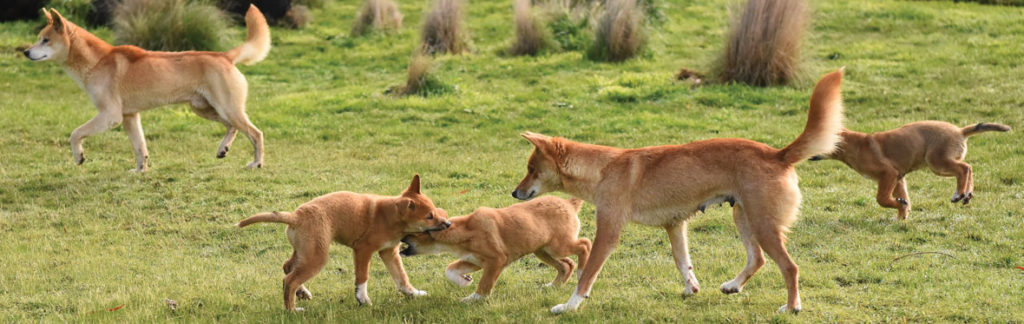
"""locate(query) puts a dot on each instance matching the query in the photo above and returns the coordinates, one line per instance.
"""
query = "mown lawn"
(76, 241)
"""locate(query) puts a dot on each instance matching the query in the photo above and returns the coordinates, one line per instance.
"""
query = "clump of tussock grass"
(619, 34)
(297, 17)
(570, 22)
(317, 4)
(283, 13)
(420, 81)
(531, 36)
(171, 25)
(443, 29)
(380, 15)
(763, 46)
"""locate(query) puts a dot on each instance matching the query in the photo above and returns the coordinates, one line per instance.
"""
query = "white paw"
(299, 309)
(562, 308)
(254, 165)
(415, 293)
(731, 287)
(785, 309)
(692, 286)
(303, 293)
(361, 296)
(472, 298)
(460, 280)
(549, 285)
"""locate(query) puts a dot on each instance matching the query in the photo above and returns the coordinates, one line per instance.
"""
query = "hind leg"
(228, 99)
(887, 182)
(133, 127)
(681, 253)
(458, 272)
(963, 173)
(302, 293)
(564, 269)
(202, 108)
(755, 259)
(304, 265)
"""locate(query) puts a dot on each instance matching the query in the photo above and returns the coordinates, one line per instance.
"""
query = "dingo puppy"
(492, 239)
(367, 223)
(124, 80)
(888, 156)
(666, 185)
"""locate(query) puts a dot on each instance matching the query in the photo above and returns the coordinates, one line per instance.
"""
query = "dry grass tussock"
(763, 47)
(171, 25)
(420, 81)
(531, 36)
(444, 30)
(619, 35)
(380, 15)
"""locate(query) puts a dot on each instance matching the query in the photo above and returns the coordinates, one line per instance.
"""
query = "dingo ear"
(49, 18)
(414, 187)
(537, 140)
(57, 21)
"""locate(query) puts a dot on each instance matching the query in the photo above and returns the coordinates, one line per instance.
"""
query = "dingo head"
(542, 171)
(417, 211)
(54, 41)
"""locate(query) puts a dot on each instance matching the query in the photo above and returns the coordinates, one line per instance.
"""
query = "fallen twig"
(918, 253)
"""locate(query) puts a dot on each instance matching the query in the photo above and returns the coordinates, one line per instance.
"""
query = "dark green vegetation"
(76, 241)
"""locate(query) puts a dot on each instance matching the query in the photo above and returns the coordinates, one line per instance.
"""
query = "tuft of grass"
(619, 35)
(77, 11)
(420, 81)
(297, 17)
(171, 25)
(382, 15)
(531, 36)
(315, 4)
(443, 30)
(763, 46)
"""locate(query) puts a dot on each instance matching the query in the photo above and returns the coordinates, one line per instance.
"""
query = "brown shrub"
(763, 47)
(380, 15)
(531, 36)
(619, 35)
(443, 30)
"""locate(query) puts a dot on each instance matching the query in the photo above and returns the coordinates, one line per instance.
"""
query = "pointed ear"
(58, 21)
(538, 140)
(414, 187)
(49, 18)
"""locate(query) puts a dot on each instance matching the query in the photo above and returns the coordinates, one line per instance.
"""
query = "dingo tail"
(273, 217)
(984, 127)
(257, 43)
(824, 122)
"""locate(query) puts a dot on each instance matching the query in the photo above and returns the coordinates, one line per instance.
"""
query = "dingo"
(666, 185)
(366, 223)
(888, 156)
(124, 80)
(492, 239)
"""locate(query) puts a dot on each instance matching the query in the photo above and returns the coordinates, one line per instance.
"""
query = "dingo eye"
(530, 170)
(430, 216)
(46, 40)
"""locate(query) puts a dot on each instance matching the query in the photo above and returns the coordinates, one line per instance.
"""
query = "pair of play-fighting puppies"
(656, 186)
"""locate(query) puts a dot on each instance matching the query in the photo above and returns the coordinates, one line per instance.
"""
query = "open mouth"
(38, 59)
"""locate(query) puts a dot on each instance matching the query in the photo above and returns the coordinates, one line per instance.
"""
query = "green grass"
(76, 241)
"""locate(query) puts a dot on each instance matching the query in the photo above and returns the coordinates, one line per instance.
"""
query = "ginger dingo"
(124, 80)
(666, 185)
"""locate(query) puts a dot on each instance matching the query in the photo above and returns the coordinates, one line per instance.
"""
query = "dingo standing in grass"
(367, 223)
(666, 185)
(493, 238)
(888, 156)
(125, 80)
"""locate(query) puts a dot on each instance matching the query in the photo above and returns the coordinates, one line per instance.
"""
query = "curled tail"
(984, 127)
(824, 122)
(576, 203)
(273, 217)
(257, 43)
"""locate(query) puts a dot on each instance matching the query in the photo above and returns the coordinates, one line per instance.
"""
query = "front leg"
(903, 198)
(394, 264)
(101, 122)
(681, 252)
(609, 228)
(133, 127)
(362, 259)
(492, 269)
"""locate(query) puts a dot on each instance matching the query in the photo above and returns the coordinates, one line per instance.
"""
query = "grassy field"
(76, 241)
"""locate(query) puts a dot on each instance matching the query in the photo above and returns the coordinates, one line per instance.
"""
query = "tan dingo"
(367, 223)
(124, 80)
(888, 156)
(666, 185)
(492, 239)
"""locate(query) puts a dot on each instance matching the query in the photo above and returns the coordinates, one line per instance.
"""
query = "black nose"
(26, 53)
(514, 194)
(447, 224)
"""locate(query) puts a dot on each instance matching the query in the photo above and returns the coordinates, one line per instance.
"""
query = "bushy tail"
(576, 203)
(273, 217)
(257, 43)
(984, 127)
(824, 122)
